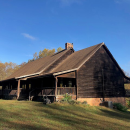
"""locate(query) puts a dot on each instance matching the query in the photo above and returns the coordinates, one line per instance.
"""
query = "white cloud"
(122, 1)
(69, 2)
(28, 36)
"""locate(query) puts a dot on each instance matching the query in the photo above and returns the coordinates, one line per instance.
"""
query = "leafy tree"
(59, 49)
(35, 56)
(6, 69)
(46, 52)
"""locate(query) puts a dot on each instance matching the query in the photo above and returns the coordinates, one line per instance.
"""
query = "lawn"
(27, 115)
(127, 86)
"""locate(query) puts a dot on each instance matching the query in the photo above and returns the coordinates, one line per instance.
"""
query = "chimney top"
(68, 45)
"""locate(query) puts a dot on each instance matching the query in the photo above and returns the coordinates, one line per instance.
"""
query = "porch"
(38, 87)
(51, 87)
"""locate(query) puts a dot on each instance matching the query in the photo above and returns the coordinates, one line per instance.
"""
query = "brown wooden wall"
(90, 77)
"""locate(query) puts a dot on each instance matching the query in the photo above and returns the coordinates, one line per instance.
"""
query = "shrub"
(120, 107)
(78, 102)
(67, 97)
(128, 102)
(72, 102)
(84, 102)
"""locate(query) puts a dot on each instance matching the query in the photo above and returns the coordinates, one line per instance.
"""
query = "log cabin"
(91, 74)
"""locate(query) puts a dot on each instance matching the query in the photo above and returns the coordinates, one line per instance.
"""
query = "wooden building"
(91, 75)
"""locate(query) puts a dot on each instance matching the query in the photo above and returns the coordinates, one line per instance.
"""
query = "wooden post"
(42, 86)
(18, 89)
(56, 87)
(103, 85)
(9, 86)
(76, 75)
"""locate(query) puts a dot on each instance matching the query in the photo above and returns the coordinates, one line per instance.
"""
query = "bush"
(78, 102)
(84, 102)
(72, 102)
(67, 97)
(128, 102)
(119, 106)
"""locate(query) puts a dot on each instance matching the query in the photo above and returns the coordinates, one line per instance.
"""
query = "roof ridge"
(58, 52)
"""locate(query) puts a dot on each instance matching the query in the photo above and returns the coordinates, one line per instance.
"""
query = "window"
(24, 86)
(29, 86)
(0, 87)
(70, 83)
(6, 87)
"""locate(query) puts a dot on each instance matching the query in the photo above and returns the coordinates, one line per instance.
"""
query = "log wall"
(100, 77)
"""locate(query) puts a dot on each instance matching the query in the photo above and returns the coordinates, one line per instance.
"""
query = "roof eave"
(7, 79)
(63, 72)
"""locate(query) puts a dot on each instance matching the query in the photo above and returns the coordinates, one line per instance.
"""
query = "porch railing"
(42, 92)
(9, 92)
(64, 90)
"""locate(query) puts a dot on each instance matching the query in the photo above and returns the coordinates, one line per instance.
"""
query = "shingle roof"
(37, 66)
(76, 59)
(73, 62)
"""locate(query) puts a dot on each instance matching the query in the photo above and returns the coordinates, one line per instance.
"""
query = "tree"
(6, 69)
(59, 49)
(46, 52)
(35, 56)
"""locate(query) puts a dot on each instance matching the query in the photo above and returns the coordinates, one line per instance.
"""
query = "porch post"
(9, 86)
(18, 89)
(76, 75)
(55, 87)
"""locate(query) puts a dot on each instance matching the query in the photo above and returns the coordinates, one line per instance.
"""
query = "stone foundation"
(98, 101)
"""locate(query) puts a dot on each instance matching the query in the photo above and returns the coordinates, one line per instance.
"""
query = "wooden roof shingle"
(37, 66)
(73, 62)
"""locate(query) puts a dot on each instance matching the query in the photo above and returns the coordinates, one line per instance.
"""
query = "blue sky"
(28, 26)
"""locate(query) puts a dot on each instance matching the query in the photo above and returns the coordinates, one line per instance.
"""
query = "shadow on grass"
(80, 118)
(116, 114)
(12, 120)
(57, 116)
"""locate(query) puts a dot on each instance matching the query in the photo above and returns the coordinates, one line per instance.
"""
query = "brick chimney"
(68, 45)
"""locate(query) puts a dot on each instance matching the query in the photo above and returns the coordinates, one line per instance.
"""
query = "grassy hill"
(25, 115)
(127, 86)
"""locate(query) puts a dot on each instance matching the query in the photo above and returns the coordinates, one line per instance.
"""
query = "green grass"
(127, 86)
(26, 115)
